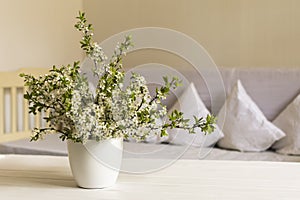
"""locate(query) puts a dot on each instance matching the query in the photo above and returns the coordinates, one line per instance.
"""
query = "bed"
(272, 89)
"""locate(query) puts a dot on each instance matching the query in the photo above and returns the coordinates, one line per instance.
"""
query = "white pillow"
(245, 126)
(191, 104)
(289, 121)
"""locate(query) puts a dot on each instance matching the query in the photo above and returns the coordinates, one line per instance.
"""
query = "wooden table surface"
(49, 177)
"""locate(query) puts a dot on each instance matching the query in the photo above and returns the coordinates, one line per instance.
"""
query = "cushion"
(244, 125)
(289, 121)
(191, 104)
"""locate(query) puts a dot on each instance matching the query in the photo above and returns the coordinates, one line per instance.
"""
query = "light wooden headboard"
(15, 122)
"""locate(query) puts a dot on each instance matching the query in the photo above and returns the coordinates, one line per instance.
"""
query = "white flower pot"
(96, 164)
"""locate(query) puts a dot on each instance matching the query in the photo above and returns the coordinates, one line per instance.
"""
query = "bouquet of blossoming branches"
(77, 114)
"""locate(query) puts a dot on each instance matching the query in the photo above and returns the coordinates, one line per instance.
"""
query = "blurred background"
(236, 33)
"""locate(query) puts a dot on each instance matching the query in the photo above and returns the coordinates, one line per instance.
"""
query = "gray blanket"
(52, 146)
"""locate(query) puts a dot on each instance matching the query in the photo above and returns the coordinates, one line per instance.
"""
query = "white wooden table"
(49, 177)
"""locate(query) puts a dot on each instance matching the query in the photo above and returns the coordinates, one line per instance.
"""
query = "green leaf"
(163, 133)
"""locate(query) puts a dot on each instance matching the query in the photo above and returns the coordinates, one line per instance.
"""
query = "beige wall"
(38, 33)
(240, 33)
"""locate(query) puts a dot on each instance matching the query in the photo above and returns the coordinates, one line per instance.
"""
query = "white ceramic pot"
(96, 164)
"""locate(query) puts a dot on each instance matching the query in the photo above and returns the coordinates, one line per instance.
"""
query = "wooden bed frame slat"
(14, 83)
(14, 105)
(1, 110)
(37, 119)
(25, 113)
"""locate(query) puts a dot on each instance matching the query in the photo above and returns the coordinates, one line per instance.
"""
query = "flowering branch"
(115, 111)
